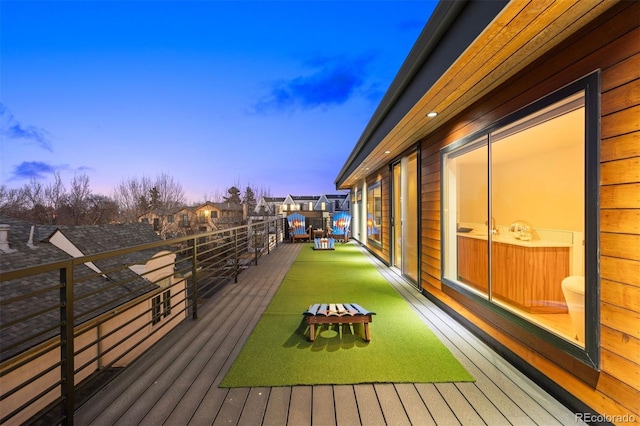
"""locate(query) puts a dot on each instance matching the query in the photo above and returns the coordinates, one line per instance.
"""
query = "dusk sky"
(272, 94)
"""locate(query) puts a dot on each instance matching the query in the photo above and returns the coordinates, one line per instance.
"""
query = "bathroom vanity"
(527, 274)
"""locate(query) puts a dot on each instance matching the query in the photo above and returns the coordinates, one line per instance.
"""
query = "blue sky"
(273, 94)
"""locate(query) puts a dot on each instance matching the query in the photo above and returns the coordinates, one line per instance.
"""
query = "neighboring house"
(318, 209)
(282, 206)
(268, 207)
(205, 217)
(500, 174)
(214, 216)
(175, 223)
(134, 296)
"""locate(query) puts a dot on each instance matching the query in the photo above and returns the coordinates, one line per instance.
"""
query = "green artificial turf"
(402, 348)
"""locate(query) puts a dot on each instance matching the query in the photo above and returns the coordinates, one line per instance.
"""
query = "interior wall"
(559, 174)
(517, 189)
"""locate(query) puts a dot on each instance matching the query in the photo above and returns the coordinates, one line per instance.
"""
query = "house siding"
(609, 44)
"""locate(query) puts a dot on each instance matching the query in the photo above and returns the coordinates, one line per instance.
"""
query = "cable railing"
(68, 327)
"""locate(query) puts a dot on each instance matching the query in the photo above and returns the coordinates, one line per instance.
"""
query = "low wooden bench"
(324, 244)
(337, 313)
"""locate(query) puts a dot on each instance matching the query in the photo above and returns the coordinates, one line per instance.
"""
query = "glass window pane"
(537, 200)
(410, 220)
(466, 205)
(374, 212)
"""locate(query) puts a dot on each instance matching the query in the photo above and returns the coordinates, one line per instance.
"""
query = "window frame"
(371, 202)
(590, 354)
(160, 306)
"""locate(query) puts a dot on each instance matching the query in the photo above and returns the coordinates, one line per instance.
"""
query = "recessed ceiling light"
(387, 152)
(432, 114)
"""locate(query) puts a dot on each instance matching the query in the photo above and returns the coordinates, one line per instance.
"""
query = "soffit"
(520, 34)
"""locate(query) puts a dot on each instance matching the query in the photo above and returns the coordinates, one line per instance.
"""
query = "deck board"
(278, 406)
(345, 406)
(255, 406)
(414, 405)
(368, 405)
(232, 407)
(323, 411)
(438, 408)
(300, 406)
(391, 405)
(463, 410)
(177, 381)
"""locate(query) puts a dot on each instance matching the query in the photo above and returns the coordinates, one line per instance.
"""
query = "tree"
(234, 196)
(13, 202)
(154, 198)
(249, 199)
(138, 196)
(169, 194)
(101, 209)
(76, 202)
(54, 194)
(131, 197)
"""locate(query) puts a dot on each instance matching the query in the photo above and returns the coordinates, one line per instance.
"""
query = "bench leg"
(312, 332)
(367, 335)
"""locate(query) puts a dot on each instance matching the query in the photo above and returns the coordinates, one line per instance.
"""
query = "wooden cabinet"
(527, 276)
(473, 263)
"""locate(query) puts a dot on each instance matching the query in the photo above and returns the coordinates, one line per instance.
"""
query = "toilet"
(573, 290)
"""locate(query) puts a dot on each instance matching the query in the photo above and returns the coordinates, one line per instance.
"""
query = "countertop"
(508, 239)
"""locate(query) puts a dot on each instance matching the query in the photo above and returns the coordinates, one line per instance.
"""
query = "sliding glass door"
(405, 216)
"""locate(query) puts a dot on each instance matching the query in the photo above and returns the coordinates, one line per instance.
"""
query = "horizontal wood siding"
(609, 44)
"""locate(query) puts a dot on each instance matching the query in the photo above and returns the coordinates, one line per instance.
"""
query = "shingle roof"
(94, 294)
(101, 238)
(24, 256)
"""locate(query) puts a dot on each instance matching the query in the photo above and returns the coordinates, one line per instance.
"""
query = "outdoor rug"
(402, 348)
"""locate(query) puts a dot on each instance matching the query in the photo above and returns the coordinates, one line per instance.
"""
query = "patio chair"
(340, 226)
(297, 229)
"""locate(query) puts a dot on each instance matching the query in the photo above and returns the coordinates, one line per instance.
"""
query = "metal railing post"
(194, 277)
(266, 233)
(255, 247)
(276, 222)
(67, 364)
(235, 255)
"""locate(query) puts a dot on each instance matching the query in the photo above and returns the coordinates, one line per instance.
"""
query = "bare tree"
(167, 196)
(55, 193)
(130, 195)
(52, 204)
(35, 193)
(170, 194)
(76, 202)
(13, 202)
(138, 196)
(215, 196)
(101, 209)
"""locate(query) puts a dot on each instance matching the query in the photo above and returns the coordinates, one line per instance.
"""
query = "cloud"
(12, 129)
(34, 169)
(333, 82)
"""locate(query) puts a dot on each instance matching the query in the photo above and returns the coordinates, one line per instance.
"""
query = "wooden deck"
(176, 383)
